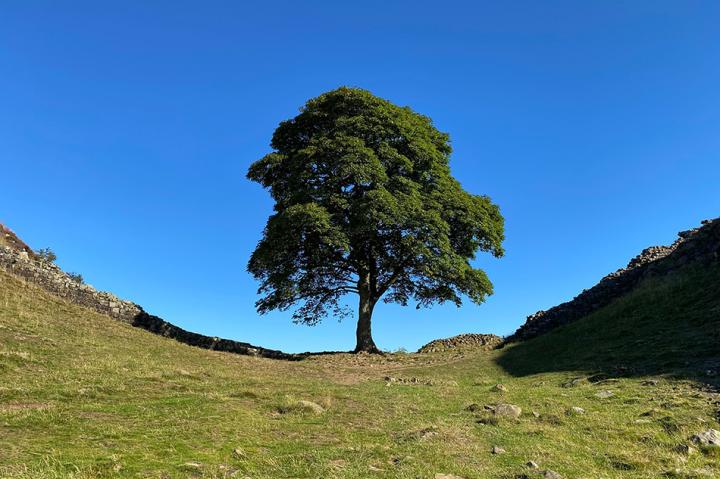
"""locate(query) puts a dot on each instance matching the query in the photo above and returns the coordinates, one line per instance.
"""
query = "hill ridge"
(698, 245)
(17, 258)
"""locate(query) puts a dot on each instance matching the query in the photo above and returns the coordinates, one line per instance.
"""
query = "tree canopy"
(365, 203)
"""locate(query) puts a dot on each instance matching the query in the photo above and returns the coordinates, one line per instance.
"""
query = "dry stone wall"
(700, 246)
(470, 340)
(17, 258)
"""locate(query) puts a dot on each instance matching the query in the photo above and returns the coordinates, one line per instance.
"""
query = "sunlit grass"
(83, 396)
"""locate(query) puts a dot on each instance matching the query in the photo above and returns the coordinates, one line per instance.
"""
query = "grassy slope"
(668, 325)
(83, 396)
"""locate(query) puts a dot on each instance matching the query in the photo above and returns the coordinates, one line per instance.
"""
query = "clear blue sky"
(126, 129)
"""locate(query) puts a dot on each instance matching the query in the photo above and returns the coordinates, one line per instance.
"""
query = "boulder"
(507, 410)
(711, 438)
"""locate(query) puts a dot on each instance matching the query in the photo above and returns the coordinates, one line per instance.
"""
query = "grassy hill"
(85, 396)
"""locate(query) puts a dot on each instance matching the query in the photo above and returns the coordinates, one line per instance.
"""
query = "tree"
(365, 204)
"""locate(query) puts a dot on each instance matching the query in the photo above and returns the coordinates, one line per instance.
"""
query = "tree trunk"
(365, 341)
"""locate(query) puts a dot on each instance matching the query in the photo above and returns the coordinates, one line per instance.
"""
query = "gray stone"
(685, 449)
(507, 410)
(499, 388)
(498, 450)
(550, 474)
(604, 394)
(711, 438)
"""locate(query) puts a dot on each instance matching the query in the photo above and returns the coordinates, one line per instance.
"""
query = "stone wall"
(697, 246)
(470, 340)
(17, 258)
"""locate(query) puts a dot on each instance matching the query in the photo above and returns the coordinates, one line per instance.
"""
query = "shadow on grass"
(667, 326)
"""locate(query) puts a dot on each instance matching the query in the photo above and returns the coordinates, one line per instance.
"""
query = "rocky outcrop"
(474, 341)
(17, 258)
(697, 246)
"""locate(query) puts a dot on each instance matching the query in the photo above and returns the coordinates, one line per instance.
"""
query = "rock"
(499, 388)
(685, 449)
(426, 433)
(532, 464)
(498, 450)
(507, 410)
(650, 382)
(310, 406)
(550, 474)
(473, 407)
(575, 410)
(604, 394)
(536, 414)
(574, 382)
(446, 476)
(711, 437)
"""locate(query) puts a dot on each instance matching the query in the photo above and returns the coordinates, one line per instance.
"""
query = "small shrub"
(46, 255)
(76, 277)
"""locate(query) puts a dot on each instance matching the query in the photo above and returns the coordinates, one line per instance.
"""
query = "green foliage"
(76, 277)
(365, 203)
(46, 254)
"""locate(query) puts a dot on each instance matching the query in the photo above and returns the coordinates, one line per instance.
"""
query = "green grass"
(83, 396)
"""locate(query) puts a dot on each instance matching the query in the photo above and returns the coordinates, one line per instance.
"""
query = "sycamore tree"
(365, 204)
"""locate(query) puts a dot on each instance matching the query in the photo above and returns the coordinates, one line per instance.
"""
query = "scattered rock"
(500, 388)
(575, 410)
(536, 414)
(474, 407)
(604, 394)
(446, 476)
(532, 464)
(685, 449)
(650, 382)
(427, 433)
(414, 381)
(550, 474)
(498, 450)
(574, 382)
(239, 453)
(507, 410)
(711, 437)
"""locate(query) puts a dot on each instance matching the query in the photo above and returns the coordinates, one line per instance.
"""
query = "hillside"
(85, 396)
(696, 247)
